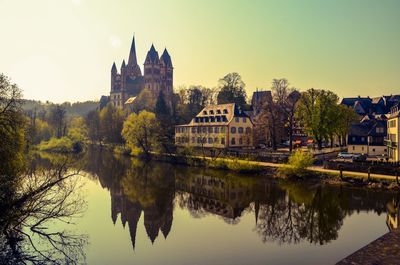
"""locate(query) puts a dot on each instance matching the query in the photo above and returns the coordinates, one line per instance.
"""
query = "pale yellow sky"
(63, 49)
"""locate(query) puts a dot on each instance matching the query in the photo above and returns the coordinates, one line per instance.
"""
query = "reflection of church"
(155, 219)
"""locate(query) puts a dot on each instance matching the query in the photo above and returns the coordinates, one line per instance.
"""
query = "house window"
(193, 140)
(373, 149)
(240, 130)
(248, 130)
(353, 139)
(233, 141)
(198, 140)
(218, 118)
(222, 140)
(211, 112)
(212, 119)
(362, 139)
(210, 129)
(218, 111)
(233, 129)
(236, 119)
(244, 119)
(223, 129)
(225, 111)
(216, 129)
(210, 140)
(240, 141)
(354, 147)
(204, 129)
(205, 112)
(362, 148)
(193, 129)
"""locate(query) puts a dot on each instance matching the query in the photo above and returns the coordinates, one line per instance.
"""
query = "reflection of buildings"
(393, 211)
(154, 188)
(220, 196)
(155, 218)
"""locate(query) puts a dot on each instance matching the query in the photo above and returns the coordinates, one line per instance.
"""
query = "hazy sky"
(63, 49)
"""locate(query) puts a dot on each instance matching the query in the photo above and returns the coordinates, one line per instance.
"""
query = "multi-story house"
(393, 134)
(220, 126)
(368, 136)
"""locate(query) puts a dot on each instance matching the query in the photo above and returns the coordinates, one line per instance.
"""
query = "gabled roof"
(367, 128)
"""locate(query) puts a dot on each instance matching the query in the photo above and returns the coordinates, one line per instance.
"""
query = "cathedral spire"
(114, 68)
(132, 55)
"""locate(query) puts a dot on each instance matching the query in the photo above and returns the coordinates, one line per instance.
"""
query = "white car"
(345, 155)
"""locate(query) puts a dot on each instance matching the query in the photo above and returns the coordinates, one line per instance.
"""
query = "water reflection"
(284, 212)
(40, 197)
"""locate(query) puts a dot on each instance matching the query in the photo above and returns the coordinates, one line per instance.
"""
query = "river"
(157, 213)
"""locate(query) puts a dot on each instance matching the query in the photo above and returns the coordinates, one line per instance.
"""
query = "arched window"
(240, 130)
(233, 129)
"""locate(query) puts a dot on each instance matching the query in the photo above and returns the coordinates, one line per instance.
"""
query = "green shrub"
(62, 145)
(297, 165)
(244, 166)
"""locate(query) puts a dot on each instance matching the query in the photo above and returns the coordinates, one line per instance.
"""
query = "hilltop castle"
(129, 82)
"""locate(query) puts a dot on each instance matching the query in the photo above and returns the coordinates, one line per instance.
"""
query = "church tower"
(166, 72)
(152, 72)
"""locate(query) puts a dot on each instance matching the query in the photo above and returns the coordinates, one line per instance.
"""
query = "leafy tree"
(144, 101)
(57, 119)
(111, 121)
(93, 125)
(141, 130)
(345, 116)
(316, 111)
(167, 125)
(285, 99)
(232, 90)
(12, 131)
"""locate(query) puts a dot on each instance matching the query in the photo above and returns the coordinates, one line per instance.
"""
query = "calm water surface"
(156, 213)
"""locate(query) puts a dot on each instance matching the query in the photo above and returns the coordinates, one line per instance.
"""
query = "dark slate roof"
(239, 112)
(132, 54)
(114, 67)
(152, 56)
(367, 128)
(377, 105)
(166, 59)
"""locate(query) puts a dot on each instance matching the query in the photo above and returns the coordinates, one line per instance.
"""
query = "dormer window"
(212, 119)
(218, 118)
(211, 112)
(218, 111)
(225, 111)
(205, 112)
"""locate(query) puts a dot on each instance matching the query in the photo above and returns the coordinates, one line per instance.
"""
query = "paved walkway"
(333, 171)
(384, 250)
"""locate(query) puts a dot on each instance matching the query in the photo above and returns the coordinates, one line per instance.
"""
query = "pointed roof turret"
(152, 55)
(123, 64)
(114, 68)
(166, 59)
(132, 54)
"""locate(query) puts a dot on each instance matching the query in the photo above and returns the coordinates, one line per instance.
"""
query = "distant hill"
(73, 109)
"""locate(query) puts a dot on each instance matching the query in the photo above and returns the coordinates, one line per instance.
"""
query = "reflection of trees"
(41, 197)
(294, 212)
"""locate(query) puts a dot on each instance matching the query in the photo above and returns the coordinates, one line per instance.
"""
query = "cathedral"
(127, 84)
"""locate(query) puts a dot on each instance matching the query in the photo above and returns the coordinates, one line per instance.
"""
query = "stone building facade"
(218, 126)
(129, 82)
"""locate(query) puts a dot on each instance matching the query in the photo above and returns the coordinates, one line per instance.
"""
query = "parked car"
(359, 158)
(382, 158)
(262, 146)
(345, 155)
